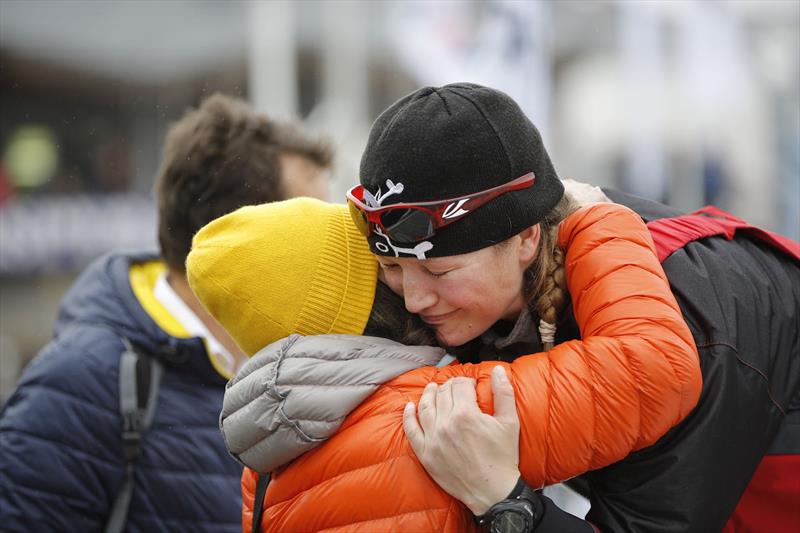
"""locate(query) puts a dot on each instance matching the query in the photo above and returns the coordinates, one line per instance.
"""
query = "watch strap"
(517, 490)
(521, 491)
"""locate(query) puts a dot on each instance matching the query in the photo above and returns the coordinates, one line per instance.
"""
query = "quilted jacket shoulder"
(583, 405)
(61, 457)
(294, 394)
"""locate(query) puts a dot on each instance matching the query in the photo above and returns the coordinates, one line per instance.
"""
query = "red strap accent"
(670, 234)
(771, 503)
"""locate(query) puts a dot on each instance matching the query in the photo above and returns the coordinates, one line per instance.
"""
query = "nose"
(417, 292)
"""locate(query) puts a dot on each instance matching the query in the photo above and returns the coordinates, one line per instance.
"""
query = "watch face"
(510, 522)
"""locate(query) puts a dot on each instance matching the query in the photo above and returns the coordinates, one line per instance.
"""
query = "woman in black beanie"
(461, 204)
(439, 144)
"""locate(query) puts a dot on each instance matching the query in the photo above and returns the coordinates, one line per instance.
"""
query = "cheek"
(394, 280)
(465, 294)
(507, 275)
(320, 191)
(313, 188)
(481, 293)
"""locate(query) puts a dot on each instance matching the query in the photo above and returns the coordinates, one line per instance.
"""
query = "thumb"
(505, 407)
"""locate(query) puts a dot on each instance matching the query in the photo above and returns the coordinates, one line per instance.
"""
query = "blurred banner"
(40, 235)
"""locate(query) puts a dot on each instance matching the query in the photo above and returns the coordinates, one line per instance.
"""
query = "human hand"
(473, 456)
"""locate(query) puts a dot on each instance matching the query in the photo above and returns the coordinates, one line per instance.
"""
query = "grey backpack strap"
(139, 378)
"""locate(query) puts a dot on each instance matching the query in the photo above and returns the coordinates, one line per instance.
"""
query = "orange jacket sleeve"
(589, 403)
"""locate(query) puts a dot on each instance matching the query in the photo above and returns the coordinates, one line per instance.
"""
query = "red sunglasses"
(413, 222)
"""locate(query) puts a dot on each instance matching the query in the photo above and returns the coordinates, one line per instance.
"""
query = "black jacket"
(741, 300)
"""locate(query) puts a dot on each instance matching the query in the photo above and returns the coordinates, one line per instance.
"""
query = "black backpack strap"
(139, 379)
(258, 501)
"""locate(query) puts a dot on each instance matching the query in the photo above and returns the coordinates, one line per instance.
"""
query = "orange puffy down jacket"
(583, 405)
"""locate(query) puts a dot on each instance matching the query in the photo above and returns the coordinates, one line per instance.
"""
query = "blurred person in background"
(114, 425)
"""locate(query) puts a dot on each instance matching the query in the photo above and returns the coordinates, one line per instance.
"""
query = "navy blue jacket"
(61, 458)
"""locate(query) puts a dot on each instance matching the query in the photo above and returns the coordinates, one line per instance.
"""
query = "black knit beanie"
(450, 141)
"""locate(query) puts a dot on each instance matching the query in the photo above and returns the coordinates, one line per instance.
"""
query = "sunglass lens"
(359, 218)
(407, 225)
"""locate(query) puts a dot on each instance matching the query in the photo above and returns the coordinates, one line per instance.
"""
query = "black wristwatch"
(520, 512)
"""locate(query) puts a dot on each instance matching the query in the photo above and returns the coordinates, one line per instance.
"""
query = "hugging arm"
(586, 404)
(464, 448)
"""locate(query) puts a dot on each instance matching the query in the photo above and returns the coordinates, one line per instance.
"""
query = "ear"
(529, 244)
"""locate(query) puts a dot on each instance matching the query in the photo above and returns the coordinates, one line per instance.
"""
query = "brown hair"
(218, 158)
(390, 319)
(545, 282)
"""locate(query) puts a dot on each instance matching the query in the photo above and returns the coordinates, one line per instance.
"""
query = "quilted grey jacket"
(294, 394)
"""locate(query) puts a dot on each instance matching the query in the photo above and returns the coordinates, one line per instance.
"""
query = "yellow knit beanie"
(297, 266)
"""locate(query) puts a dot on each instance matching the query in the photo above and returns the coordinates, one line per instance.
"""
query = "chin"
(451, 340)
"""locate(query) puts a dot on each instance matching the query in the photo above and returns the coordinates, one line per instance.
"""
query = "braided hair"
(545, 280)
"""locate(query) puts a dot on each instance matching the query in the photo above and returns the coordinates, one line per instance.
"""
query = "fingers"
(427, 408)
(444, 399)
(414, 433)
(464, 396)
(505, 407)
(417, 429)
